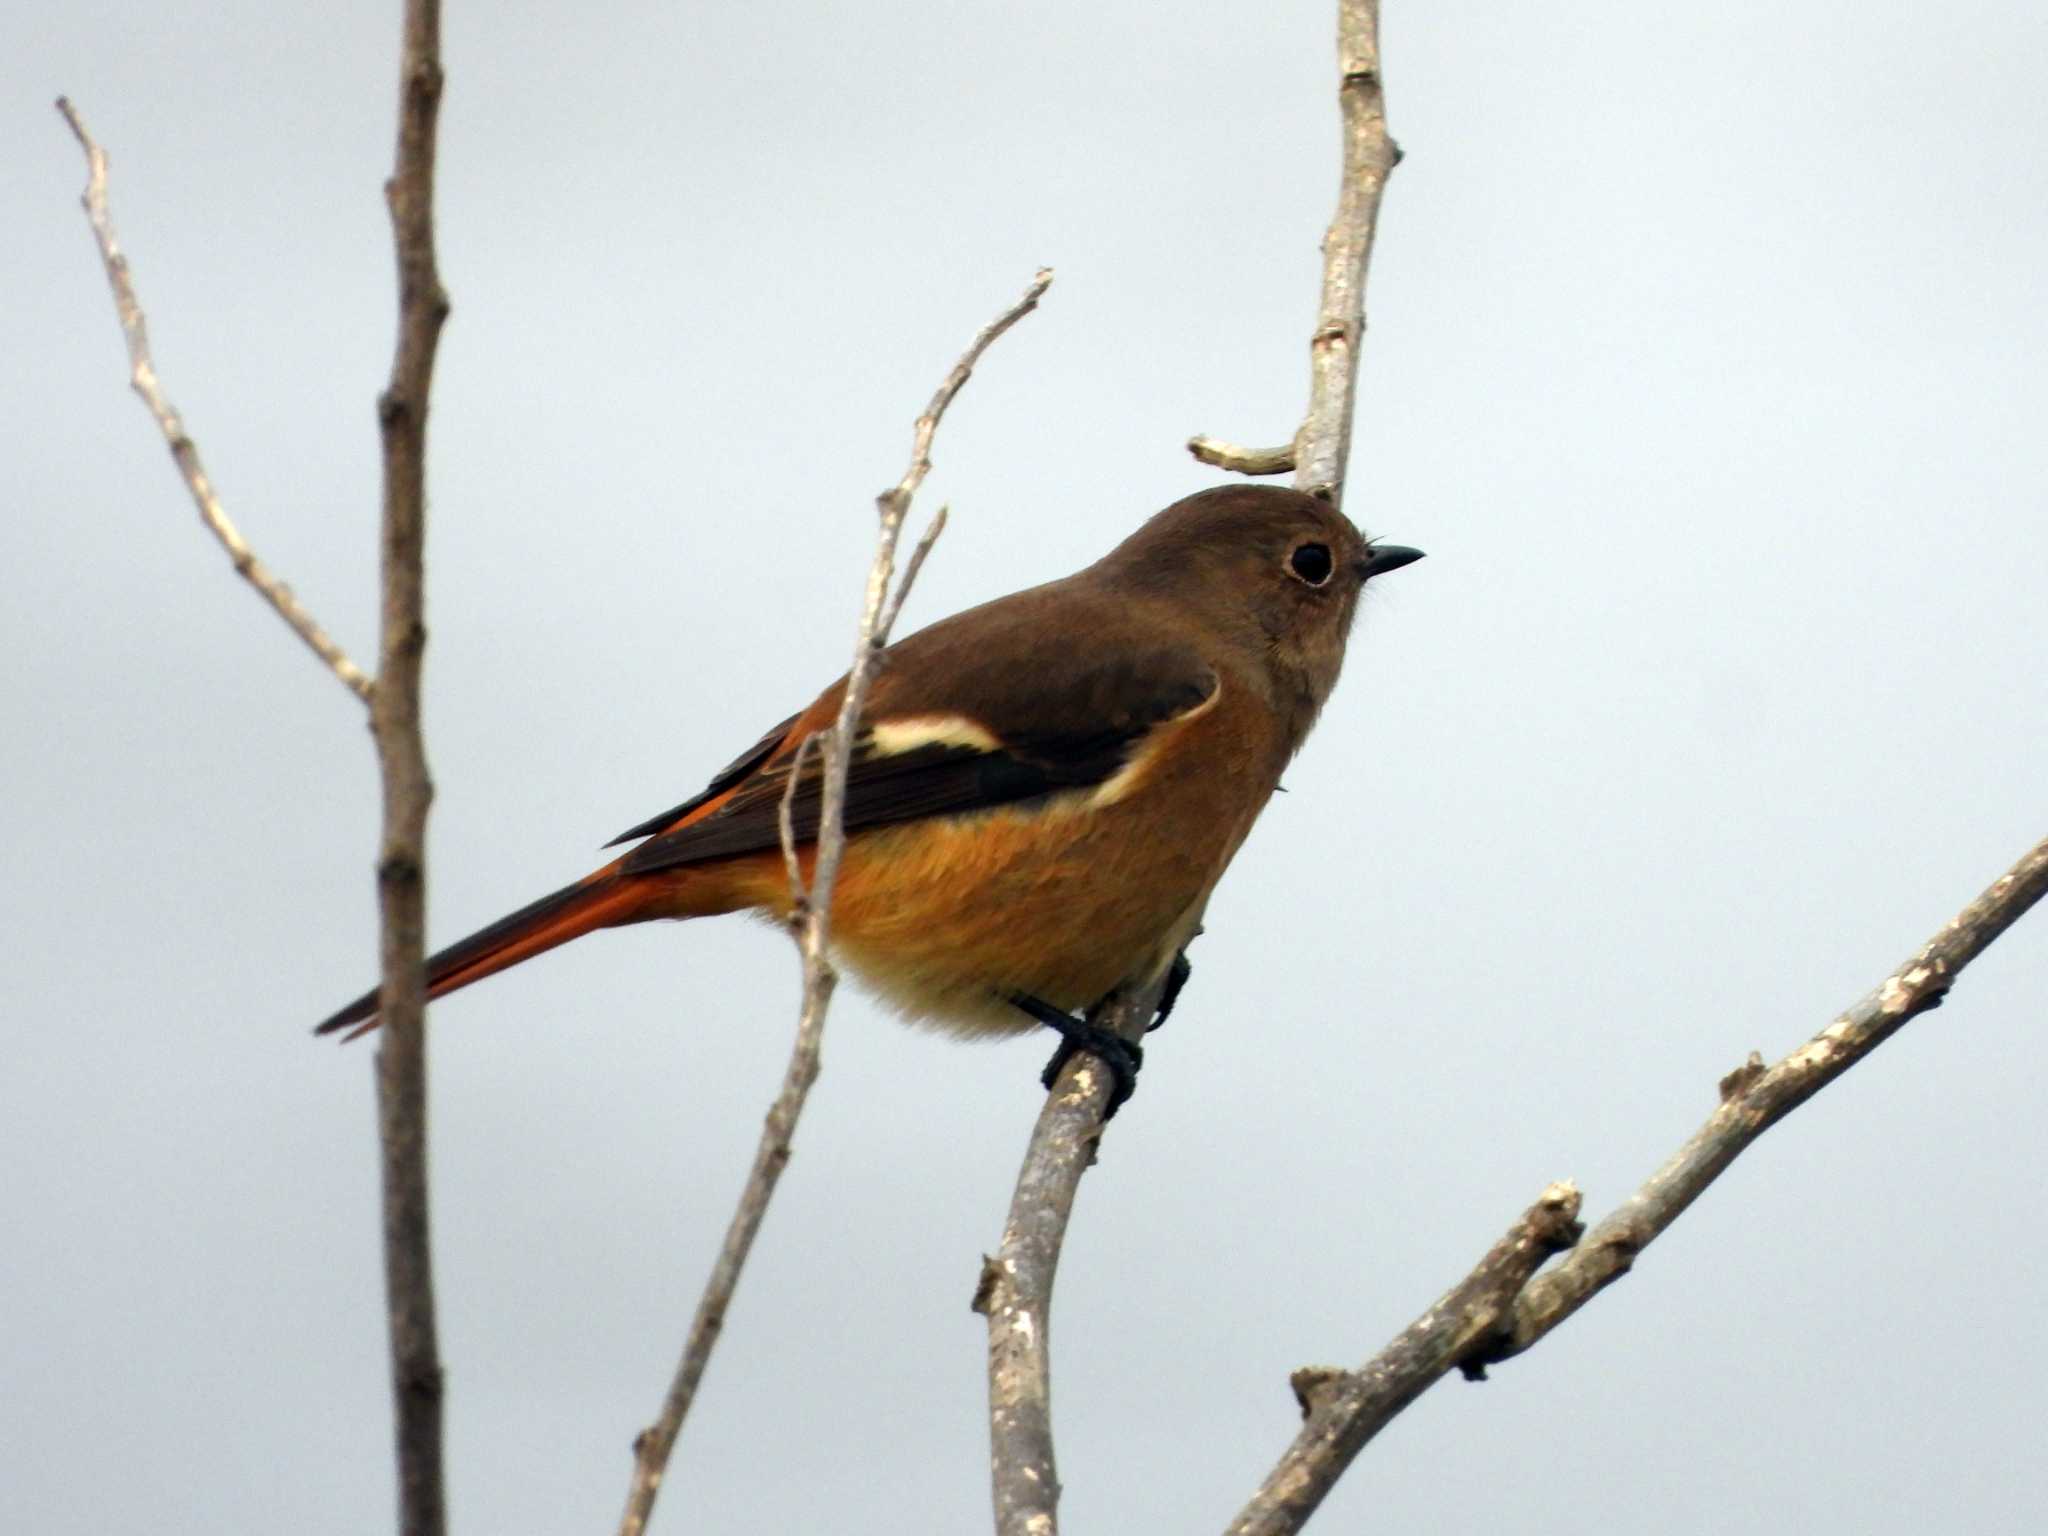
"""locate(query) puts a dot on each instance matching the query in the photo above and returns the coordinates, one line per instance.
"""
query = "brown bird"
(1044, 789)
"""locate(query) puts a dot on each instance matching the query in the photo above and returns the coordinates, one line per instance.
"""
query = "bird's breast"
(1063, 898)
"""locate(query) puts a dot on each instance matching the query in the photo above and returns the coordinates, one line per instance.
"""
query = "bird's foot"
(1177, 976)
(1118, 1055)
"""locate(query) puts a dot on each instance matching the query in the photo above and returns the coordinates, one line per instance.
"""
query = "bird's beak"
(1382, 558)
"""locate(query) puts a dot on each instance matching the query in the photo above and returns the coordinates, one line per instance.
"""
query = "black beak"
(1382, 558)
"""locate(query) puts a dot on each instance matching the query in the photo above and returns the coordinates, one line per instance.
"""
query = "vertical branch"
(1322, 446)
(394, 719)
(1321, 449)
(401, 755)
(1015, 1291)
(811, 921)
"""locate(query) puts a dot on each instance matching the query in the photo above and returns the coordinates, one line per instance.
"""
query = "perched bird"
(1044, 789)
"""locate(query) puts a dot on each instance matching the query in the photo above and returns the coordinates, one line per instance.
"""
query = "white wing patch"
(1128, 777)
(888, 738)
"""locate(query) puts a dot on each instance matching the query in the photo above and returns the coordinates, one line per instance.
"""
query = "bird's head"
(1274, 573)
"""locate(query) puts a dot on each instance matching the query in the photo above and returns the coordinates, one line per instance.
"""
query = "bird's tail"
(598, 901)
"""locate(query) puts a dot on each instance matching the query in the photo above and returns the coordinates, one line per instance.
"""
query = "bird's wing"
(726, 777)
(1032, 712)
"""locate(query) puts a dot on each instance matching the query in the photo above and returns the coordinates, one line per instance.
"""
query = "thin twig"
(401, 753)
(932, 531)
(1322, 446)
(878, 611)
(1489, 1328)
(184, 452)
(1241, 461)
(799, 760)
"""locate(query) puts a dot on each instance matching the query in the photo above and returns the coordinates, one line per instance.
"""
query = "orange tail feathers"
(602, 900)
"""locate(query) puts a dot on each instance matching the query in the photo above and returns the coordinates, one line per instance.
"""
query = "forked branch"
(1321, 448)
(184, 452)
(394, 719)
(1015, 1290)
(1478, 1324)
(811, 921)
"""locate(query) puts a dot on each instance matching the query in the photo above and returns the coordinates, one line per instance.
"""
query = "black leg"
(1177, 976)
(1120, 1056)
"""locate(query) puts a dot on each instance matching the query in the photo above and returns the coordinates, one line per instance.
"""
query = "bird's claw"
(1122, 1058)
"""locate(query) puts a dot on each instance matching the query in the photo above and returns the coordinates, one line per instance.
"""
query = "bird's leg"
(1119, 1055)
(1177, 976)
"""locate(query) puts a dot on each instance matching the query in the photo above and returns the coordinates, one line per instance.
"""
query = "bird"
(1043, 790)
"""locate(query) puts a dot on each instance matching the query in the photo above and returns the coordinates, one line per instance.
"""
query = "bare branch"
(890, 614)
(1342, 1410)
(1241, 461)
(1753, 1100)
(1015, 1292)
(1015, 1289)
(812, 920)
(652, 1446)
(184, 452)
(809, 747)
(1322, 446)
(1479, 1323)
(401, 753)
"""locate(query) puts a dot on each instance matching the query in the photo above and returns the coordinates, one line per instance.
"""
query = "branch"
(1479, 1323)
(394, 718)
(1342, 1410)
(401, 756)
(1015, 1289)
(184, 452)
(1322, 444)
(1241, 461)
(1754, 1099)
(811, 921)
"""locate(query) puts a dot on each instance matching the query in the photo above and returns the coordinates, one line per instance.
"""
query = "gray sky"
(1706, 362)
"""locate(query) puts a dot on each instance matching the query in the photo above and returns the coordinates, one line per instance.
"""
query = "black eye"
(1311, 563)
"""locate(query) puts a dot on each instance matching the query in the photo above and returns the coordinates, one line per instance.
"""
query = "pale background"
(1706, 362)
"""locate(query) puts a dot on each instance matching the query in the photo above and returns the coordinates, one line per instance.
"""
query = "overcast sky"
(1706, 361)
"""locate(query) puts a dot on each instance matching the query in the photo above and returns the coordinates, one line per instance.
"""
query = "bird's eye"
(1312, 563)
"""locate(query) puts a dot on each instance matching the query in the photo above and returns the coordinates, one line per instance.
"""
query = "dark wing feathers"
(723, 780)
(1067, 721)
(904, 786)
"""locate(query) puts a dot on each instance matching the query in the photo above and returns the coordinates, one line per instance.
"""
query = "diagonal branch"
(184, 452)
(1342, 1410)
(1754, 1099)
(1478, 1324)
(811, 922)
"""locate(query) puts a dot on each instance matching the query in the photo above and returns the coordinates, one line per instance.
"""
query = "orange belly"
(945, 918)
(1064, 899)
